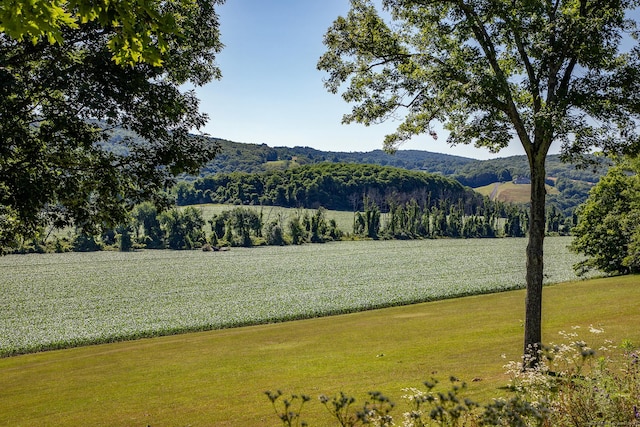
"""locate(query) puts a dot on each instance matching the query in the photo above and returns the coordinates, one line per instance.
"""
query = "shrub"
(62, 245)
(124, 239)
(296, 231)
(275, 234)
(84, 242)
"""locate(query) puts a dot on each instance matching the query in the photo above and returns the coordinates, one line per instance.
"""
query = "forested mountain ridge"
(572, 184)
(336, 186)
(245, 157)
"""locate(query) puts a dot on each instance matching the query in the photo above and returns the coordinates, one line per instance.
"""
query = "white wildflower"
(594, 330)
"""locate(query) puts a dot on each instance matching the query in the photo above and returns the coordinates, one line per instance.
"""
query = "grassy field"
(510, 192)
(61, 300)
(217, 378)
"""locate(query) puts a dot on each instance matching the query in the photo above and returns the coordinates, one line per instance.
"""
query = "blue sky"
(272, 93)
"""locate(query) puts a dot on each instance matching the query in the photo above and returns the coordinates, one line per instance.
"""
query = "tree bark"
(535, 265)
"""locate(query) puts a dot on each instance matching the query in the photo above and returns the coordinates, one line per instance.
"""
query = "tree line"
(242, 226)
(387, 203)
(184, 228)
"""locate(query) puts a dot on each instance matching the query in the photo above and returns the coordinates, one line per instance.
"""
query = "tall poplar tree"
(495, 72)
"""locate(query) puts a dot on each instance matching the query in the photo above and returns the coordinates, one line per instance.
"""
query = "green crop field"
(61, 300)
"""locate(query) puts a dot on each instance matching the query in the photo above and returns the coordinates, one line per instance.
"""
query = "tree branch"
(534, 81)
(489, 49)
(387, 59)
(563, 89)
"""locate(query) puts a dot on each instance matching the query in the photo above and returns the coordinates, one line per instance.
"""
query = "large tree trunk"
(533, 308)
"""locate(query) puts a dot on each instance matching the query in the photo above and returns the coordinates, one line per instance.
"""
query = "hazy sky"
(272, 93)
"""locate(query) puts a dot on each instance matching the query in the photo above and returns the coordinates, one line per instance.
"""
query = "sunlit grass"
(218, 377)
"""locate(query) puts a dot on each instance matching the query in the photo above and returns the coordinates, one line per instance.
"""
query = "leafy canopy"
(491, 71)
(61, 103)
(138, 28)
(608, 231)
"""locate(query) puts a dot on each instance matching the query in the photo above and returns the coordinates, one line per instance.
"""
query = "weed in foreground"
(284, 408)
(573, 385)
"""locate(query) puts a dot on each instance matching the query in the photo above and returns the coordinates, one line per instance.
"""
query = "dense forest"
(572, 183)
(241, 157)
(335, 186)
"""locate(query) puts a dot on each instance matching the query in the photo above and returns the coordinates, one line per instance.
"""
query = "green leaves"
(62, 102)
(489, 71)
(34, 19)
(607, 231)
(143, 28)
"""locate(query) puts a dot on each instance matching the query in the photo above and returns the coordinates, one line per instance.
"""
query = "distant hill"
(242, 157)
(570, 184)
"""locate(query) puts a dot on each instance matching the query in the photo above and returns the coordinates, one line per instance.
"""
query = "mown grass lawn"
(61, 300)
(510, 192)
(217, 378)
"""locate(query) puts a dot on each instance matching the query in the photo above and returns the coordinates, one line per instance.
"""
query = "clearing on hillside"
(509, 192)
